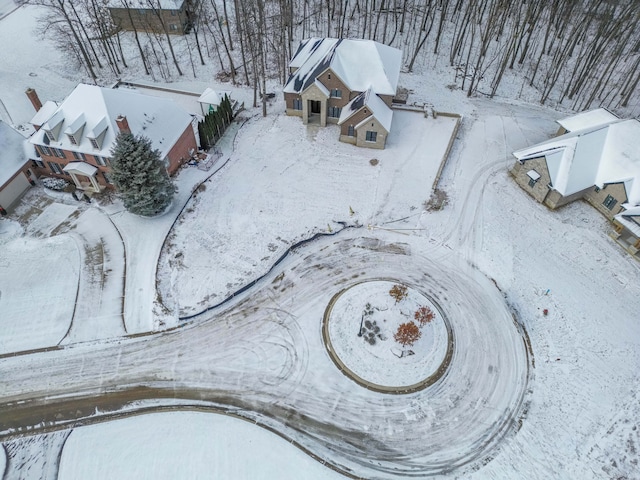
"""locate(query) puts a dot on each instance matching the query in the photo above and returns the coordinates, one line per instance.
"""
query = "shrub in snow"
(139, 176)
(398, 292)
(54, 183)
(370, 331)
(424, 315)
(407, 334)
(437, 201)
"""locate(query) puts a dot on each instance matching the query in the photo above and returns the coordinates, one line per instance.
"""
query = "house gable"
(370, 133)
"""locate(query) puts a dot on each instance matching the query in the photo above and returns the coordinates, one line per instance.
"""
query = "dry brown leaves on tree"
(424, 315)
(398, 292)
(407, 334)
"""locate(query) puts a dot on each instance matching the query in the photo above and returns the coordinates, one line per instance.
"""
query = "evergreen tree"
(140, 176)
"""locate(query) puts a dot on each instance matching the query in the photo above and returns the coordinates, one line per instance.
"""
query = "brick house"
(351, 83)
(595, 157)
(73, 140)
(176, 16)
(16, 175)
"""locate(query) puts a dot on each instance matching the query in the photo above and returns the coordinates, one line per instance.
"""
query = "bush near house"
(54, 183)
(215, 123)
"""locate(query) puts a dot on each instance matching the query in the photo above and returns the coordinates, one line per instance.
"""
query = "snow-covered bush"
(55, 183)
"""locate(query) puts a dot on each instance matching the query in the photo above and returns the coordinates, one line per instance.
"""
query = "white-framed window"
(351, 131)
(44, 150)
(72, 139)
(58, 153)
(55, 168)
(297, 104)
(102, 161)
(371, 136)
(80, 156)
(533, 177)
(94, 143)
(336, 93)
(50, 135)
(334, 112)
(106, 178)
(173, 27)
(609, 202)
(37, 163)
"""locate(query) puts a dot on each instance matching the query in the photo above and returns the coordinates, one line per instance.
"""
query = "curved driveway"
(262, 358)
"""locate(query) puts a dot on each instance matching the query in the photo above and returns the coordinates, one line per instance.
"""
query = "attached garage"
(11, 192)
(13, 167)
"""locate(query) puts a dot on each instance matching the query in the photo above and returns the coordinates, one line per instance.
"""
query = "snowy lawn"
(35, 312)
(362, 323)
(30, 62)
(284, 183)
(184, 445)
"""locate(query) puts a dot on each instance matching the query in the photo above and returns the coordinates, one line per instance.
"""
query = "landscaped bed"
(387, 336)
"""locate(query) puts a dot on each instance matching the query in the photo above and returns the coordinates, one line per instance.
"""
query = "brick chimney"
(122, 123)
(33, 96)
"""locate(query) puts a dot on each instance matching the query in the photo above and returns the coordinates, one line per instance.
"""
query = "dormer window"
(53, 126)
(74, 129)
(97, 134)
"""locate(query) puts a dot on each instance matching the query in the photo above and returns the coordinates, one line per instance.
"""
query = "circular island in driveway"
(388, 336)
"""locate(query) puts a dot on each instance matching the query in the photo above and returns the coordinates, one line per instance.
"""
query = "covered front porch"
(314, 104)
(627, 235)
(84, 176)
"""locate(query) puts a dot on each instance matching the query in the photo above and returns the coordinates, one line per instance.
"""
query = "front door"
(315, 106)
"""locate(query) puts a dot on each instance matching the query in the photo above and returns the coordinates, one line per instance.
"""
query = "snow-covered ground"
(191, 445)
(284, 183)
(570, 411)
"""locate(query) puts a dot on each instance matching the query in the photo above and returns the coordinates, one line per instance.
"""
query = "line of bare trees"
(582, 53)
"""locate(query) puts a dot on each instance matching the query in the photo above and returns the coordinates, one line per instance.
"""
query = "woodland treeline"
(581, 53)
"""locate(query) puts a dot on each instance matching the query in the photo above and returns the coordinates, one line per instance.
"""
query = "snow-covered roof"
(369, 99)
(630, 219)
(589, 119)
(213, 97)
(12, 156)
(76, 124)
(533, 175)
(599, 155)
(164, 4)
(82, 168)
(158, 119)
(44, 113)
(359, 64)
